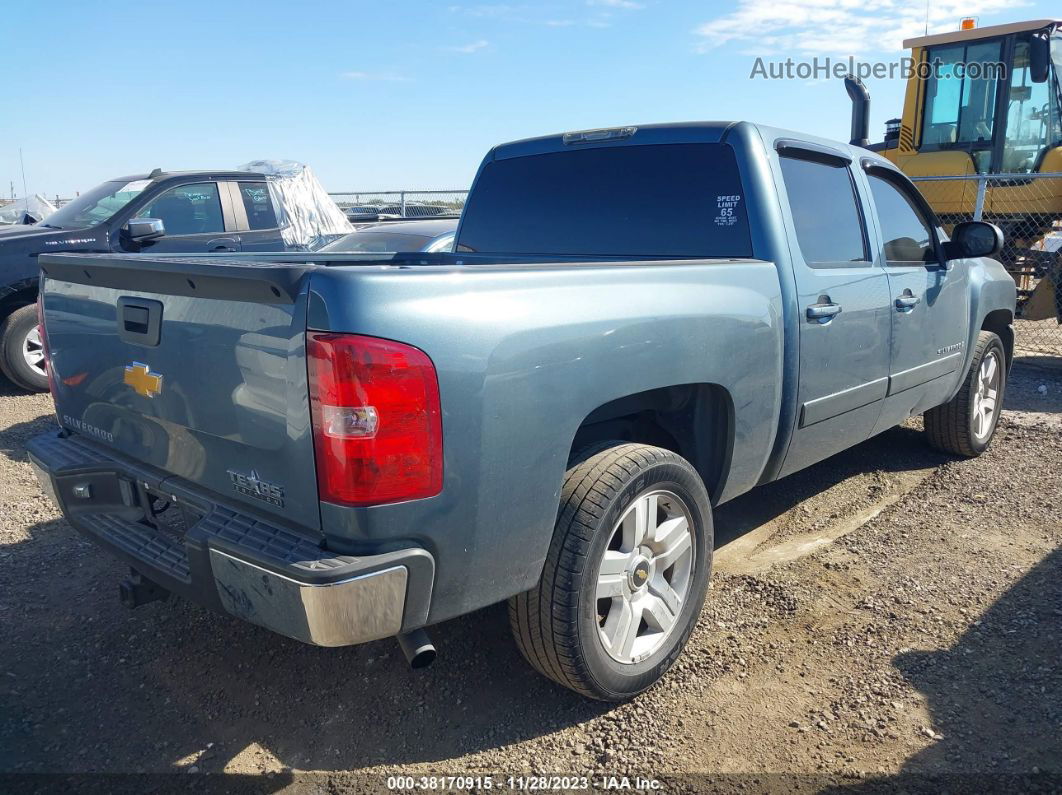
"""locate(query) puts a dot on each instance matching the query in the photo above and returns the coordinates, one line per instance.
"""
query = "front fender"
(991, 289)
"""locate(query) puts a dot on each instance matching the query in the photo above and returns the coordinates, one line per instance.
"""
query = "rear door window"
(822, 199)
(259, 205)
(667, 200)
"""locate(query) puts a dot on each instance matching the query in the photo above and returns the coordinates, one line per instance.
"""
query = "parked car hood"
(19, 242)
(22, 230)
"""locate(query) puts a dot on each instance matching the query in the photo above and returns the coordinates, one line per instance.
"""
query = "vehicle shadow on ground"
(7, 389)
(169, 685)
(1040, 361)
(900, 449)
(14, 438)
(1035, 385)
(88, 685)
(992, 697)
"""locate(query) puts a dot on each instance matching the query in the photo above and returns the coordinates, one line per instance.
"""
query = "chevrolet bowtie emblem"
(144, 382)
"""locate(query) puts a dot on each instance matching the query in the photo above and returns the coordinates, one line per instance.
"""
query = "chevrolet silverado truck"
(636, 324)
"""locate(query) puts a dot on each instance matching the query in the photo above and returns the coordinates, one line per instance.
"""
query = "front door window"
(188, 210)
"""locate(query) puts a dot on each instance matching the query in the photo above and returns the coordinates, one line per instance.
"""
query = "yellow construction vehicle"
(987, 101)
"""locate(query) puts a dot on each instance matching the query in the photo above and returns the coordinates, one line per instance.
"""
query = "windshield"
(97, 205)
(379, 241)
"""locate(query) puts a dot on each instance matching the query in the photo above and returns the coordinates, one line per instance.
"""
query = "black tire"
(951, 427)
(13, 333)
(556, 624)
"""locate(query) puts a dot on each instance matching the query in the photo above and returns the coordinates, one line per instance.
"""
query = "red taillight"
(44, 344)
(376, 422)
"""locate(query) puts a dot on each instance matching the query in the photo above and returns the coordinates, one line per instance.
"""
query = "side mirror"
(1040, 57)
(143, 229)
(974, 239)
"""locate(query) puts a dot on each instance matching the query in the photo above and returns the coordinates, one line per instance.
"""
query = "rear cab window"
(649, 200)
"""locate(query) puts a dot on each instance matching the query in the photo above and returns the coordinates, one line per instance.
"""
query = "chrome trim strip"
(914, 376)
(824, 408)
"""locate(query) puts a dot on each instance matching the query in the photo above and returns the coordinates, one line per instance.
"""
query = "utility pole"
(22, 163)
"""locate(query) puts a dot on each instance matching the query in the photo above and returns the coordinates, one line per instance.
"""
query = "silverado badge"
(144, 382)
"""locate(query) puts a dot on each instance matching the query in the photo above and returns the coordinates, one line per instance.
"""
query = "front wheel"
(965, 425)
(625, 577)
(22, 350)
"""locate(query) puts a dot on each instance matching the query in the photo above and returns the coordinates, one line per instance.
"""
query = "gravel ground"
(888, 613)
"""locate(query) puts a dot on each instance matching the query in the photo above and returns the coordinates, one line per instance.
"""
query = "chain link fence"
(369, 206)
(1028, 208)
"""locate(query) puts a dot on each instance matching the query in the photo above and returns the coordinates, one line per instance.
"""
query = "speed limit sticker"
(726, 205)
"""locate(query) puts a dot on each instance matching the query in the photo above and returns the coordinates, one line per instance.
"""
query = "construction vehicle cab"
(987, 101)
(982, 100)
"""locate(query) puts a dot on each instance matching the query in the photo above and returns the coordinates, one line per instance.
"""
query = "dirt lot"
(889, 612)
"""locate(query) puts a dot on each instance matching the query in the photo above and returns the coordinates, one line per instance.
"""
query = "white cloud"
(615, 3)
(468, 49)
(546, 14)
(390, 77)
(836, 27)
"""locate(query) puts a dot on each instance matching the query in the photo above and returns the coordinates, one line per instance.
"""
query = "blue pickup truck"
(636, 324)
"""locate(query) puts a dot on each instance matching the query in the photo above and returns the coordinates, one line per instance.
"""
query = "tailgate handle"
(139, 320)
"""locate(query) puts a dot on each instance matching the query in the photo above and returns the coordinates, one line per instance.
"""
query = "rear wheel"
(22, 350)
(965, 425)
(625, 577)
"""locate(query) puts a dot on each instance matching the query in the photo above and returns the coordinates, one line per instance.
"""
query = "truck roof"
(218, 174)
(672, 133)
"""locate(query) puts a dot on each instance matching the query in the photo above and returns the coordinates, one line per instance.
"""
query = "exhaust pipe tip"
(418, 648)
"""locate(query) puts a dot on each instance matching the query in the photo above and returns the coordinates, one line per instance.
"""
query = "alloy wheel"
(645, 576)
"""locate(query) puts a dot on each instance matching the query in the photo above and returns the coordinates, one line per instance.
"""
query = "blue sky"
(411, 93)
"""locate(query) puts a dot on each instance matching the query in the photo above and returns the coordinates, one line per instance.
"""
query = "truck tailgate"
(195, 367)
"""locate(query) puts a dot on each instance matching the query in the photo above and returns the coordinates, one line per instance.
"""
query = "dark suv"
(200, 211)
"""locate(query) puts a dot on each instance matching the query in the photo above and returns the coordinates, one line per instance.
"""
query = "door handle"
(223, 244)
(907, 301)
(824, 311)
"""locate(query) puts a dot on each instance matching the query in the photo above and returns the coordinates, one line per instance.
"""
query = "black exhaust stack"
(860, 97)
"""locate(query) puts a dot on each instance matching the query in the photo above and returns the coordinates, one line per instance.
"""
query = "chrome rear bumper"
(246, 565)
(355, 610)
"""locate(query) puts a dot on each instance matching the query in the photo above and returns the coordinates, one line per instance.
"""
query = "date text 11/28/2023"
(522, 783)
